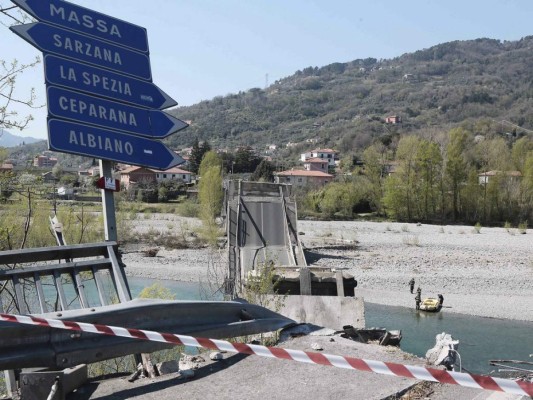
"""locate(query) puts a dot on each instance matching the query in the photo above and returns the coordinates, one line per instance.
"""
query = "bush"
(188, 209)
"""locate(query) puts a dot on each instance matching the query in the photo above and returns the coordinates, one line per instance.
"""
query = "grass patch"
(411, 240)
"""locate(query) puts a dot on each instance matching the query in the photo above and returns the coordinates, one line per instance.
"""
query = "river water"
(481, 339)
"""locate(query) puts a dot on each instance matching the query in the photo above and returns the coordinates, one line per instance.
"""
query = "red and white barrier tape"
(378, 367)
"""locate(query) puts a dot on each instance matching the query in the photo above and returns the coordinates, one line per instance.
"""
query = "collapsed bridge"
(261, 224)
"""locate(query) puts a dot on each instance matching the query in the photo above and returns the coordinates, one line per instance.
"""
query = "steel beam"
(25, 346)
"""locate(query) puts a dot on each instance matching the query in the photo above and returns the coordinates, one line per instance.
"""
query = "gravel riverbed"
(488, 274)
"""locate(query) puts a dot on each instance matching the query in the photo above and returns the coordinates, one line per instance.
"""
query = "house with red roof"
(6, 167)
(298, 177)
(173, 174)
(132, 175)
(316, 164)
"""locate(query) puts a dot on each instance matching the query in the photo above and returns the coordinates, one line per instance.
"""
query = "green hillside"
(484, 82)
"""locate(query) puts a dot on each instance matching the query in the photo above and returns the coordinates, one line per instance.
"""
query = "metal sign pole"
(110, 221)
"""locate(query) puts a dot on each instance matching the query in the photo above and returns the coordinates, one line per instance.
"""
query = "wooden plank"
(86, 265)
(60, 290)
(55, 253)
(40, 292)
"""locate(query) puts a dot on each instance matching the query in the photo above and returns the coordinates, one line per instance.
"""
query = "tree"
(245, 160)
(210, 195)
(400, 189)
(375, 158)
(196, 157)
(9, 72)
(210, 159)
(428, 166)
(456, 165)
(57, 171)
(527, 189)
(205, 147)
(264, 172)
(519, 154)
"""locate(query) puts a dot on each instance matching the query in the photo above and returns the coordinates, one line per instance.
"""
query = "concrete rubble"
(239, 376)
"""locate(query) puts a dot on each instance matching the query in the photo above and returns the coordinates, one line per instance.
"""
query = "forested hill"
(344, 105)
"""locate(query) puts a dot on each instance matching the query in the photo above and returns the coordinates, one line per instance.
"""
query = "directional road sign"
(101, 82)
(78, 107)
(51, 39)
(88, 22)
(89, 141)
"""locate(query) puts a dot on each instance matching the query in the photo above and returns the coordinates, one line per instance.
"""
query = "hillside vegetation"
(485, 82)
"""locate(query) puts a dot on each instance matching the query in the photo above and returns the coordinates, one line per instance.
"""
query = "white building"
(173, 174)
(303, 177)
(325, 154)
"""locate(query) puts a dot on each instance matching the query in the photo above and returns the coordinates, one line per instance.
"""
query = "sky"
(200, 49)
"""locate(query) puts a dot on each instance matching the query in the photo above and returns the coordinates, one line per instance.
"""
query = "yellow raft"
(430, 304)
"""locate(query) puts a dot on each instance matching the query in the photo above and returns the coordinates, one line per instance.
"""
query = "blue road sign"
(88, 22)
(66, 104)
(51, 39)
(101, 82)
(89, 141)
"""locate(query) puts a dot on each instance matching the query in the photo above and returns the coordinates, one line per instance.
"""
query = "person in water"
(418, 298)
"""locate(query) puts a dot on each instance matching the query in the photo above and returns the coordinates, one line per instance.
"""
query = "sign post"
(101, 99)
(108, 203)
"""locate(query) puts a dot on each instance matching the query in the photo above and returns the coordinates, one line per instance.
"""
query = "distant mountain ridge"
(10, 140)
(482, 82)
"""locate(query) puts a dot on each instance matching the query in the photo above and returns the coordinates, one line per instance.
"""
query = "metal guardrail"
(35, 282)
(28, 272)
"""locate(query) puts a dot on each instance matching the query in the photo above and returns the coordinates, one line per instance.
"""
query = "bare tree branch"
(9, 72)
(8, 79)
(7, 11)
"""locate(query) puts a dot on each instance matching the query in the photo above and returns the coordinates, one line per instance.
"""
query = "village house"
(6, 167)
(303, 177)
(173, 174)
(44, 161)
(134, 175)
(325, 154)
(316, 164)
(510, 176)
(48, 177)
(393, 119)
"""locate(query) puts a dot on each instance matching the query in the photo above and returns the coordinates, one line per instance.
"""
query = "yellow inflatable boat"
(430, 304)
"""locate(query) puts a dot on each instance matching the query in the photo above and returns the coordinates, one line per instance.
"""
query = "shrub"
(411, 240)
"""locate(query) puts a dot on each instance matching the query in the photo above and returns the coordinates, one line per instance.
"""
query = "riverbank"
(487, 274)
